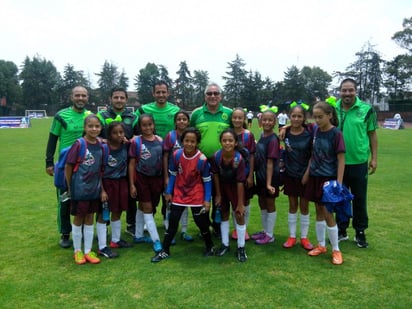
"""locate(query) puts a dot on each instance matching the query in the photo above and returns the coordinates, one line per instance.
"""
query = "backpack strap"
(245, 137)
(82, 153)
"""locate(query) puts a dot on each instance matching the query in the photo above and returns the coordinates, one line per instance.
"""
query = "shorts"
(83, 208)
(229, 196)
(314, 188)
(118, 193)
(293, 186)
(149, 188)
(262, 191)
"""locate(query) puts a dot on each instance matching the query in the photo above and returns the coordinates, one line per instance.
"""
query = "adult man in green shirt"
(67, 127)
(357, 121)
(211, 119)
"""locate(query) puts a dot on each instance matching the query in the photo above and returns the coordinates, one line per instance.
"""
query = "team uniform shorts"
(149, 188)
(83, 208)
(229, 196)
(293, 186)
(314, 188)
(118, 192)
(262, 191)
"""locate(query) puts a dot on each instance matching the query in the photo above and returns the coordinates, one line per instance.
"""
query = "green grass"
(36, 273)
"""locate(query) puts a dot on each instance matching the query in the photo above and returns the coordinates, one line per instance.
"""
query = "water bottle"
(218, 214)
(105, 211)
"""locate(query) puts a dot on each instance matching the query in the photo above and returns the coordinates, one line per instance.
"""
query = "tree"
(199, 82)
(398, 76)
(404, 37)
(71, 78)
(40, 81)
(316, 83)
(123, 80)
(144, 82)
(294, 85)
(110, 78)
(184, 88)
(235, 82)
(10, 90)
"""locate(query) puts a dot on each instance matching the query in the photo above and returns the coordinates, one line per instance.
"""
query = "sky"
(269, 35)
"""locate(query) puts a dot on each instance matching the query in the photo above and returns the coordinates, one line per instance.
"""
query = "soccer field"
(36, 273)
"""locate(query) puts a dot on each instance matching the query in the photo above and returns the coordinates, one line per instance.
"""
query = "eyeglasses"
(215, 93)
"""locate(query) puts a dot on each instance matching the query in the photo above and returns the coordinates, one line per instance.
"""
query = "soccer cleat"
(65, 241)
(79, 257)
(234, 234)
(265, 240)
(258, 235)
(337, 257)
(130, 229)
(342, 236)
(360, 240)
(318, 250)
(92, 258)
(157, 246)
(108, 253)
(222, 250)
(142, 240)
(120, 244)
(241, 254)
(291, 242)
(162, 255)
(185, 236)
(209, 252)
(305, 243)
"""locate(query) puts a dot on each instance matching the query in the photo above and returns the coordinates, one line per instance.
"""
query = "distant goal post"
(35, 113)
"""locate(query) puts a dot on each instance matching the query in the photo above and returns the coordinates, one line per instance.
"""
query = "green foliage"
(109, 78)
(404, 37)
(144, 82)
(183, 90)
(37, 273)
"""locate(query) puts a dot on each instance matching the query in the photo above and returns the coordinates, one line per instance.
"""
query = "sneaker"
(120, 244)
(234, 234)
(157, 246)
(342, 236)
(130, 229)
(305, 243)
(337, 257)
(92, 258)
(79, 257)
(265, 240)
(162, 255)
(222, 250)
(209, 252)
(360, 240)
(247, 237)
(258, 235)
(142, 240)
(185, 236)
(290, 242)
(318, 250)
(65, 241)
(107, 252)
(241, 254)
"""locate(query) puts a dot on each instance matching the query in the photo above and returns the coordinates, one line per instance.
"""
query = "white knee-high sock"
(139, 228)
(101, 230)
(292, 219)
(241, 232)
(333, 237)
(263, 218)
(304, 225)
(320, 232)
(77, 236)
(88, 232)
(116, 230)
(224, 231)
(151, 226)
(271, 221)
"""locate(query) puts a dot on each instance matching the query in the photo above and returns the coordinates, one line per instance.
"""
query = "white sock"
(263, 218)
(304, 225)
(241, 232)
(320, 232)
(184, 220)
(101, 230)
(139, 227)
(333, 237)
(151, 226)
(116, 230)
(88, 232)
(224, 231)
(247, 214)
(77, 236)
(271, 221)
(292, 219)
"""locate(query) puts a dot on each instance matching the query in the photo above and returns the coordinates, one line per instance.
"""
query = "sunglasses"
(215, 93)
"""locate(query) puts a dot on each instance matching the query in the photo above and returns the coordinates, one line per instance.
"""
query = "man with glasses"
(211, 119)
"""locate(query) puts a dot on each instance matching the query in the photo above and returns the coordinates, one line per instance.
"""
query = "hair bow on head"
(331, 101)
(303, 104)
(87, 113)
(264, 108)
(118, 118)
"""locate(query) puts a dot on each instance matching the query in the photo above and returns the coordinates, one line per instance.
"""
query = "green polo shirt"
(210, 126)
(355, 123)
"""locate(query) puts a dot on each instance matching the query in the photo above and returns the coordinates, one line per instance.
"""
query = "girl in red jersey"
(245, 139)
(189, 186)
(229, 176)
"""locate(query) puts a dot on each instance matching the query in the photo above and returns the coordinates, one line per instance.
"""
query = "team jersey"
(232, 172)
(190, 181)
(68, 125)
(163, 116)
(326, 146)
(298, 149)
(355, 125)
(116, 166)
(85, 184)
(171, 142)
(128, 118)
(267, 148)
(149, 161)
(210, 126)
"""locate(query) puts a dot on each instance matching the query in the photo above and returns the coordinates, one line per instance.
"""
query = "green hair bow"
(264, 108)
(118, 118)
(304, 105)
(331, 101)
